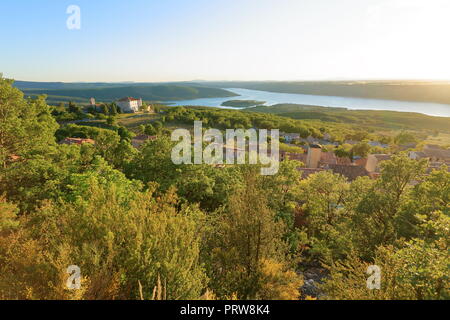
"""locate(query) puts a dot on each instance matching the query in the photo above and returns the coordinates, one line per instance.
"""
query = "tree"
(361, 149)
(111, 120)
(323, 197)
(105, 109)
(113, 109)
(158, 126)
(73, 108)
(404, 138)
(150, 130)
(344, 151)
(26, 126)
(416, 271)
(377, 215)
(118, 236)
(245, 236)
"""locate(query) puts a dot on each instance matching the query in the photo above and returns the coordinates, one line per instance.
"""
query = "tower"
(313, 157)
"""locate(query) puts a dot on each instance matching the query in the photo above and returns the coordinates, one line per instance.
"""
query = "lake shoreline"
(349, 103)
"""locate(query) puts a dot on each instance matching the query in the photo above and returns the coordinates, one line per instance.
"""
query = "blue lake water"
(271, 98)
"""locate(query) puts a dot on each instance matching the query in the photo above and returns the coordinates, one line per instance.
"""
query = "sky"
(181, 40)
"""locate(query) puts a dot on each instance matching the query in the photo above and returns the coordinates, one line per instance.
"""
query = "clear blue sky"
(172, 40)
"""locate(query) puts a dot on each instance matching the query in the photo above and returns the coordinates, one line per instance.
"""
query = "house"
(416, 155)
(312, 140)
(78, 141)
(139, 140)
(436, 153)
(344, 160)
(328, 158)
(129, 104)
(437, 166)
(291, 137)
(378, 144)
(316, 158)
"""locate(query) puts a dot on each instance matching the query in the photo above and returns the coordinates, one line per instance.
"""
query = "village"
(314, 159)
(312, 156)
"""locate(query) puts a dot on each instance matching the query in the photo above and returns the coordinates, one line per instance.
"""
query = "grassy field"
(442, 139)
(131, 121)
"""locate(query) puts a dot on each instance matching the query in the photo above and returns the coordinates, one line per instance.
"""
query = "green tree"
(245, 236)
(378, 214)
(361, 149)
(26, 126)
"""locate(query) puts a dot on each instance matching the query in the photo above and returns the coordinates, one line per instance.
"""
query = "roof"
(437, 165)
(328, 158)
(292, 135)
(361, 162)
(344, 160)
(432, 146)
(419, 154)
(127, 99)
(14, 157)
(351, 172)
(382, 157)
(437, 153)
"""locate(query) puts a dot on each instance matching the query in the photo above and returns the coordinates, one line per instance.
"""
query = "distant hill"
(108, 92)
(421, 91)
(22, 85)
(363, 118)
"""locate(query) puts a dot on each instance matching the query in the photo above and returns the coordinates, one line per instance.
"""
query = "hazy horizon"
(251, 80)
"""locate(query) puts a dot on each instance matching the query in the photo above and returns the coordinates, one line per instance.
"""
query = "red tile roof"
(14, 157)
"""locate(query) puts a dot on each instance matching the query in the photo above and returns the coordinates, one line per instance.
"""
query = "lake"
(271, 98)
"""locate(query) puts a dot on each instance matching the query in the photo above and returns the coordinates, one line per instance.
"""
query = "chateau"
(129, 104)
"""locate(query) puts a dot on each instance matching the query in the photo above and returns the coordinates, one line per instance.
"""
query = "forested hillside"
(366, 118)
(111, 92)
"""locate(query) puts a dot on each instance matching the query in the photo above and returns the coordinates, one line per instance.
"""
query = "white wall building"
(129, 104)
